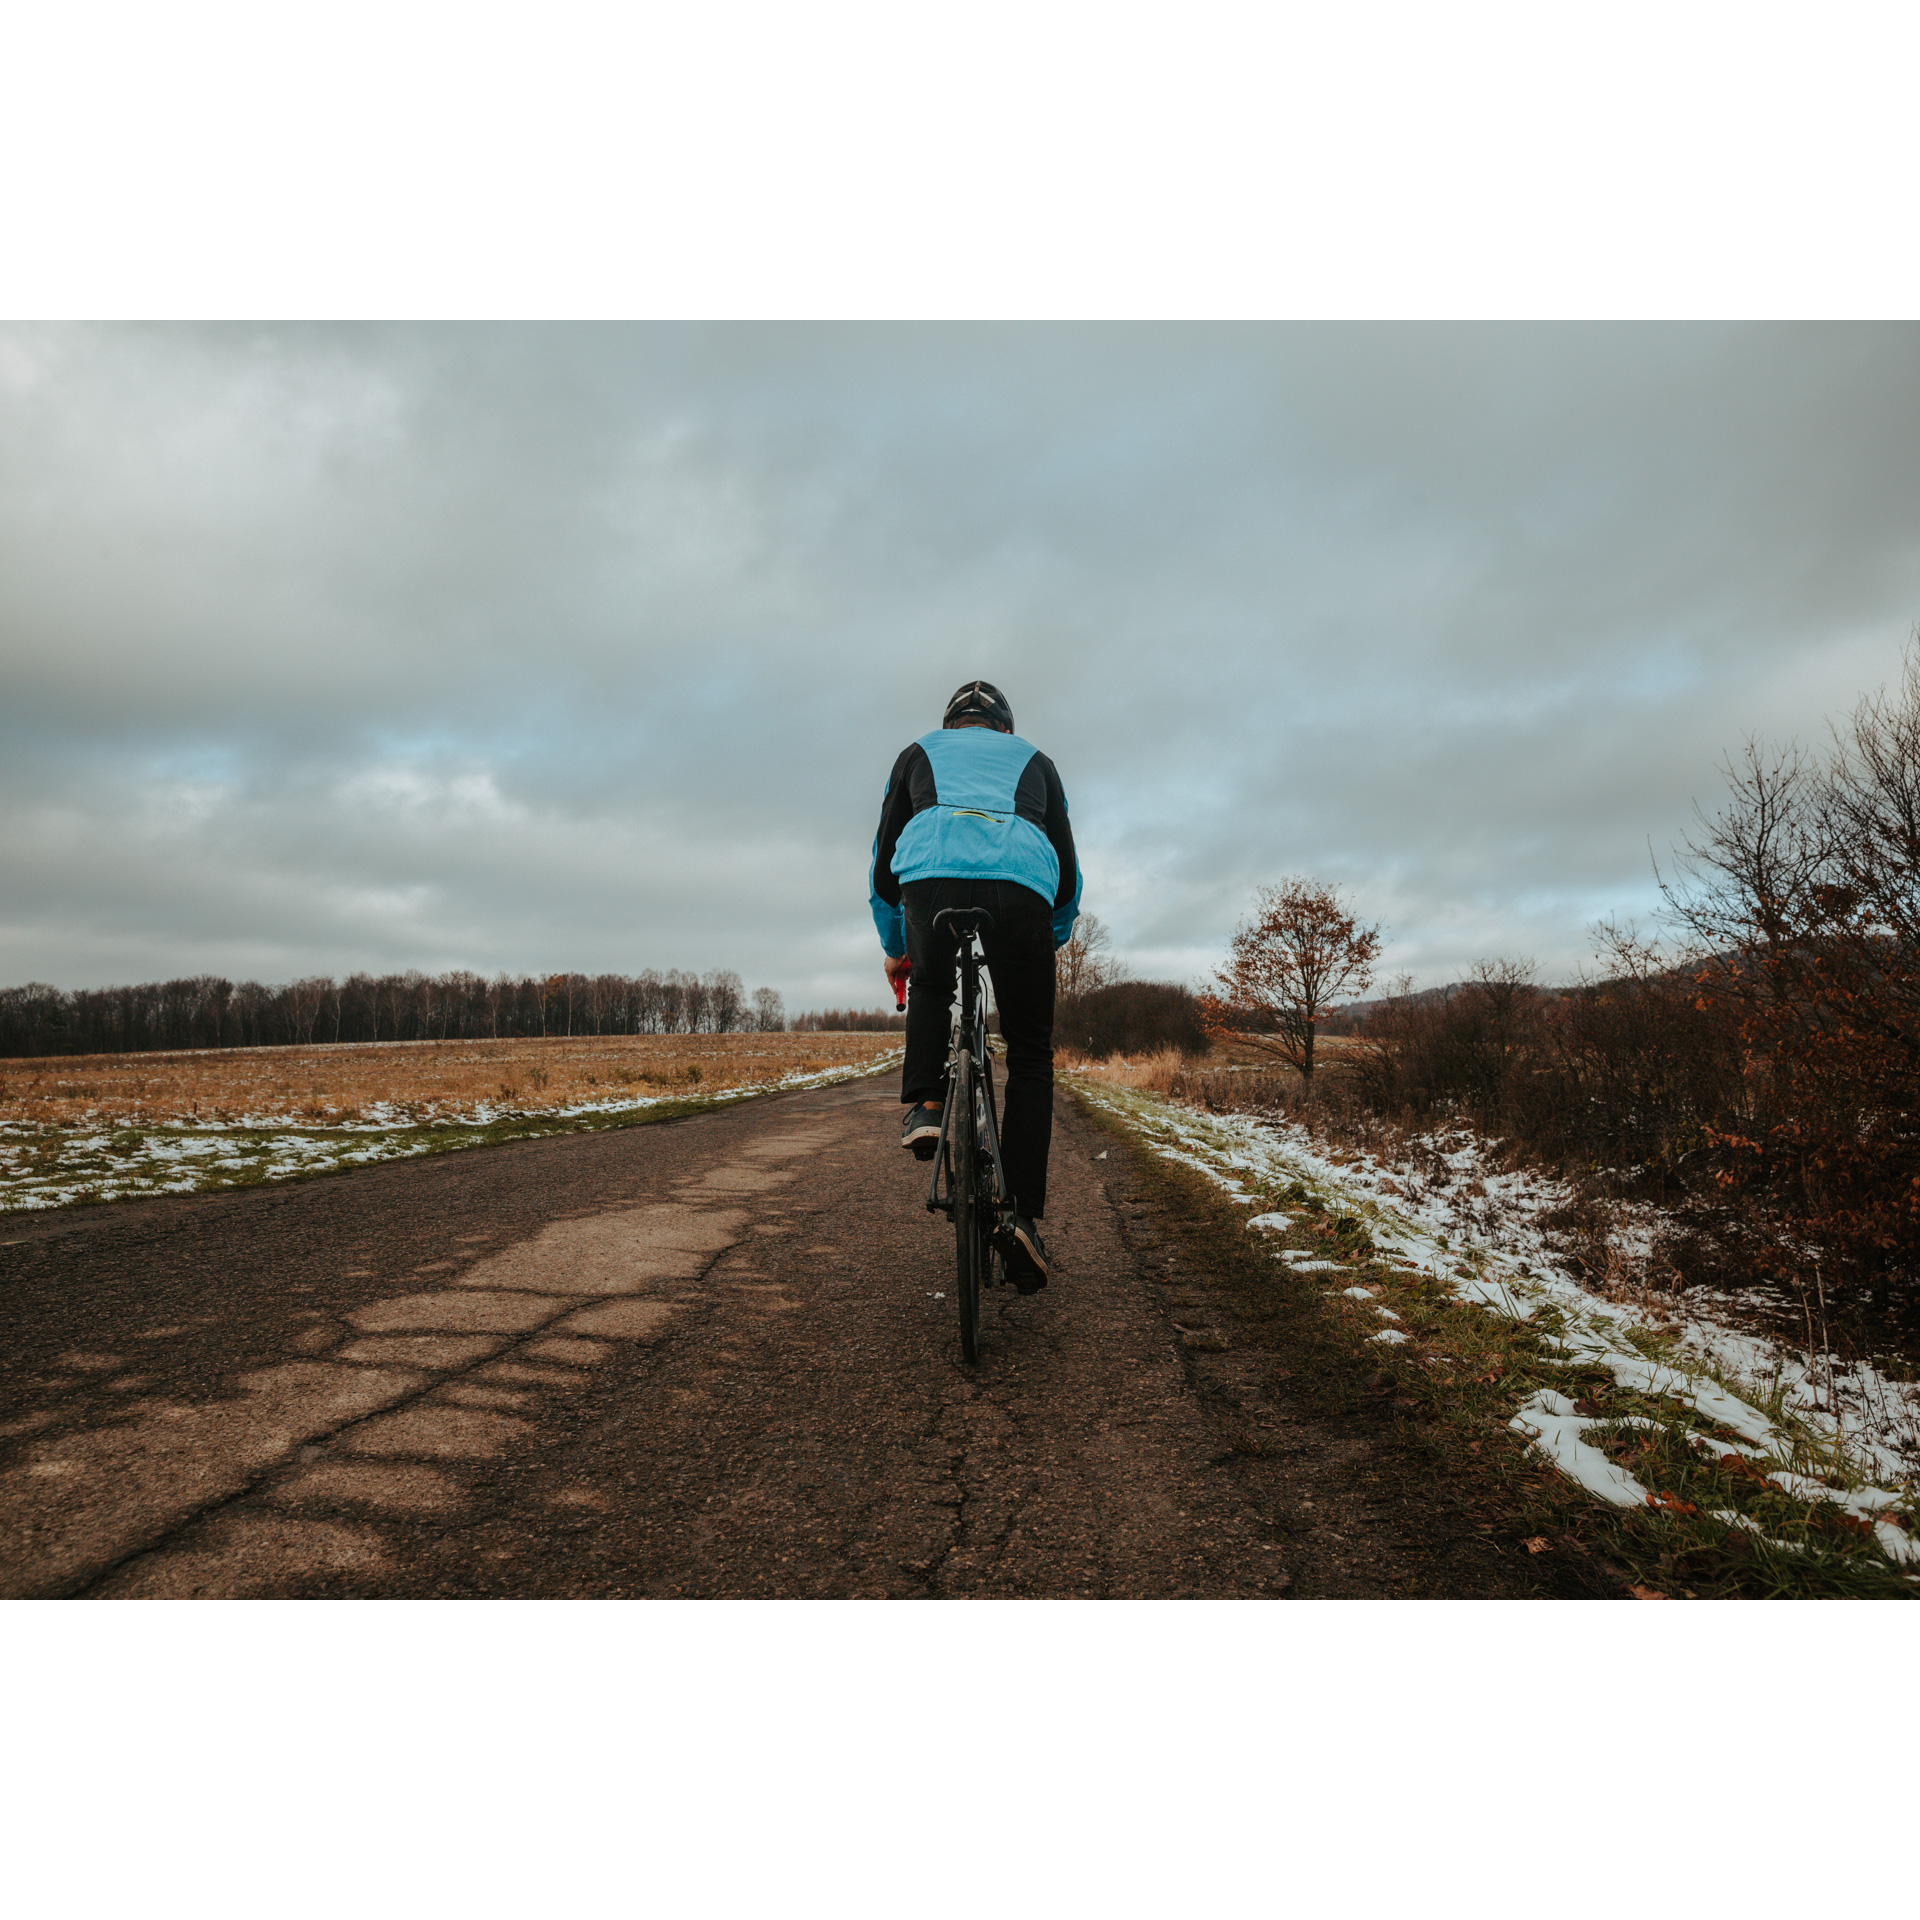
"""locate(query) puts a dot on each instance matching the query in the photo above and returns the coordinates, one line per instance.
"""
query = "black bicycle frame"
(969, 1035)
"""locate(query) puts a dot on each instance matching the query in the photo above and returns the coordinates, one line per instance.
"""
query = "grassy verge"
(1459, 1374)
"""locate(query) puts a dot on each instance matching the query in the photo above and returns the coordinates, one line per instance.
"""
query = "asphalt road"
(714, 1357)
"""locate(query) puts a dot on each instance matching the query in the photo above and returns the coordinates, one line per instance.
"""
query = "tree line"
(208, 1011)
(850, 1020)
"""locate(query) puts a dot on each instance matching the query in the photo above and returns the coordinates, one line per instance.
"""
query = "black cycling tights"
(1019, 952)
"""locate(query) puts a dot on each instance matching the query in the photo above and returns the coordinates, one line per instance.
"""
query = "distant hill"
(1356, 1013)
(1359, 1010)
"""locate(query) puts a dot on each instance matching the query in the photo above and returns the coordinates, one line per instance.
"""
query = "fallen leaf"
(1538, 1544)
(1646, 1593)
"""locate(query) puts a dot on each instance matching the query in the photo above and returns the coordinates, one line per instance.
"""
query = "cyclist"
(974, 816)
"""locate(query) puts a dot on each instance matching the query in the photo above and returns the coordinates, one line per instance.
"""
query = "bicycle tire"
(966, 1226)
(986, 1207)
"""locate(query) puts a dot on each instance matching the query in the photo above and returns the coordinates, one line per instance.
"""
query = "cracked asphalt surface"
(717, 1357)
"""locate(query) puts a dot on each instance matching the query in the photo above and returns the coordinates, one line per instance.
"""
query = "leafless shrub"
(1130, 1017)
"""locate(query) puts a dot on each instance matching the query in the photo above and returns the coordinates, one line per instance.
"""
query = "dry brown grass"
(1171, 1072)
(414, 1079)
(1150, 1073)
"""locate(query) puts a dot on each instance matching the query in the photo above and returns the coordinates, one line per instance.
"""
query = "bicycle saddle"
(963, 920)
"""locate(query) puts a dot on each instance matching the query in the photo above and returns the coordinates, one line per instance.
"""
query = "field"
(108, 1126)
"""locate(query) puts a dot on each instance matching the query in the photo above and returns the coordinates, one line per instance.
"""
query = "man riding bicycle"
(974, 816)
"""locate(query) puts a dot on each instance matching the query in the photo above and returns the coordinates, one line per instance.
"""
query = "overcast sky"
(590, 647)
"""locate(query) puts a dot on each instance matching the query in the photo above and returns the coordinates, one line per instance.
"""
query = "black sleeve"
(895, 811)
(1058, 829)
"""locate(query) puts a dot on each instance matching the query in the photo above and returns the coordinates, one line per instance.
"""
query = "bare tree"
(1301, 951)
(390, 992)
(1086, 961)
(682, 1003)
(649, 1003)
(769, 1015)
(419, 1003)
(1509, 987)
(1870, 809)
(1750, 875)
(726, 1001)
(305, 998)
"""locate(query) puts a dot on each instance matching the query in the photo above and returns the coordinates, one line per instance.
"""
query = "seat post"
(969, 980)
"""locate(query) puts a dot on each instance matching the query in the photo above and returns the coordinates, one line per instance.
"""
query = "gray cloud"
(332, 647)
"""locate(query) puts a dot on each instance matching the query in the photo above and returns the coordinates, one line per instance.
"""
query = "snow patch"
(1548, 1420)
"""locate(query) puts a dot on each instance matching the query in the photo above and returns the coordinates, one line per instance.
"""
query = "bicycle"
(968, 1153)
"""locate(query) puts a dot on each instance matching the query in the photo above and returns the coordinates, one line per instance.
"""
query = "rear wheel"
(986, 1204)
(966, 1217)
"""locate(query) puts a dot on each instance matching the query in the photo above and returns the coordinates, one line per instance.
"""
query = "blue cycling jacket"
(970, 803)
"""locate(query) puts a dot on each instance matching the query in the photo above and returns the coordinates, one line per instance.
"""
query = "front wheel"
(967, 1225)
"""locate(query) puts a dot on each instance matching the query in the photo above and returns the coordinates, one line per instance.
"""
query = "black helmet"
(978, 703)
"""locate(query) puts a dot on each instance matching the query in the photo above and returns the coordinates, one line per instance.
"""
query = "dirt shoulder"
(1336, 1444)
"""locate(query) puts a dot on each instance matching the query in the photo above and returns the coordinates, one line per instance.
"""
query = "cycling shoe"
(920, 1131)
(1025, 1254)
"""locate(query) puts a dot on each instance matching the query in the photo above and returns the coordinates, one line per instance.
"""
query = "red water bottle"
(900, 985)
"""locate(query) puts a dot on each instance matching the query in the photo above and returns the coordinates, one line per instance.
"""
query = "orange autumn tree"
(1300, 953)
